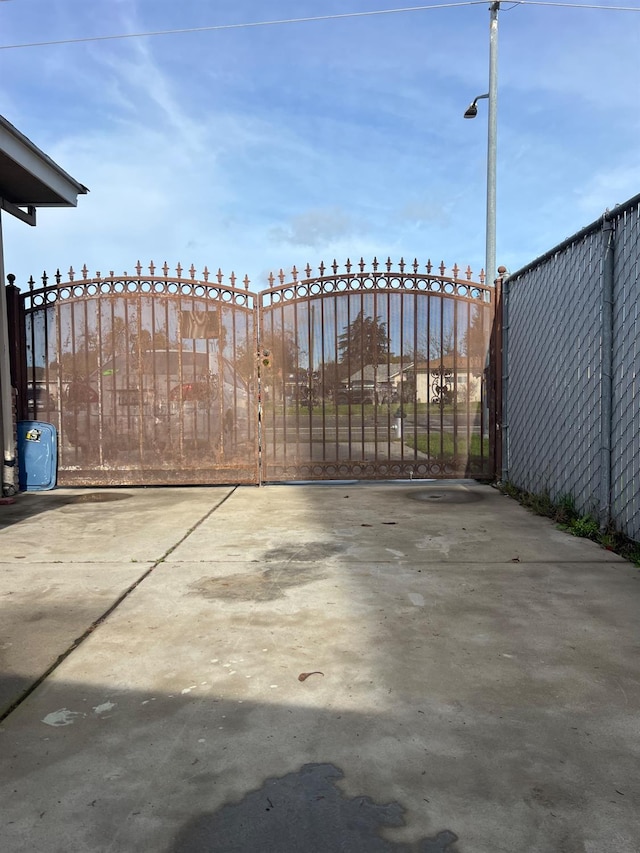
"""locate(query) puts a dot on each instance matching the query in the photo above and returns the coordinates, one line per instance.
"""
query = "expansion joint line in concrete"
(104, 616)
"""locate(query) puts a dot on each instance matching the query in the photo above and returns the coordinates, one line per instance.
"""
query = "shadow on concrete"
(94, 768)
(29, 504)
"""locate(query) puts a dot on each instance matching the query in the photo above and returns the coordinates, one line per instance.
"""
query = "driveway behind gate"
(472, 674)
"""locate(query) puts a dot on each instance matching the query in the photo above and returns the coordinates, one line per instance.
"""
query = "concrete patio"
(474, 675)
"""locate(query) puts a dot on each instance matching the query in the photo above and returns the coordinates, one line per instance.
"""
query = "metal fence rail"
(572, 416)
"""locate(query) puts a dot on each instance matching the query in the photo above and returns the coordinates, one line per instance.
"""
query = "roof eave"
(39, 167)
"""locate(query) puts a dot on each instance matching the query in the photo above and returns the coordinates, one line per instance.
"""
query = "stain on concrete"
(95, 498)
(55, 501)
(303, 552)
(296, 567)
(62, 717)
(446, 495)
(266, 586)
(303, 811)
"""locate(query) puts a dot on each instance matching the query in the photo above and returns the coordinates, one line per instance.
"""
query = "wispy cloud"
(261, 149)
(613, 183)
(316, 228)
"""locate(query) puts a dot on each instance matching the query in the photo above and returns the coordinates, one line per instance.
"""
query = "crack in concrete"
(97, 622)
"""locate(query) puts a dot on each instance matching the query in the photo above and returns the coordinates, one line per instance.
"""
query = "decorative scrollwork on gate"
(442, 382)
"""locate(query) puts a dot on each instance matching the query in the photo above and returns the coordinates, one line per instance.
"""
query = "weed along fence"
(571, 368)
(354, 372)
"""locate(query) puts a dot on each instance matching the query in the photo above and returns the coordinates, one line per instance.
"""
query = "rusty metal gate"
(358, 374)
(375, 374)
(148, 378)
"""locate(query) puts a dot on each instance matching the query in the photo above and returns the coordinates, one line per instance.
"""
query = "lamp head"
(472, 109)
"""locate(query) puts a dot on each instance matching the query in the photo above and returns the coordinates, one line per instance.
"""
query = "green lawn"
(441, 444)
(412, 410)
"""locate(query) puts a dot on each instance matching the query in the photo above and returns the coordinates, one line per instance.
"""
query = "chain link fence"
(626, 365)
(571, 409)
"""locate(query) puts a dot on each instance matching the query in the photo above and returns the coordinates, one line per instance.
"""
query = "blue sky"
(260, 148)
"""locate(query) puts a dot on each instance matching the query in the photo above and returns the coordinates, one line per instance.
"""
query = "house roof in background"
(450, 361)
(391, 372)
(381, 373)
(28, 177)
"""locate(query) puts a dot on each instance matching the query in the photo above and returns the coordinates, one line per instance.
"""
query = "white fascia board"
(34, 161)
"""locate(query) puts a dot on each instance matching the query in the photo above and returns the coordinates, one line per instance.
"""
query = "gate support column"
(496, 354)
(17, 345)
(6, 392)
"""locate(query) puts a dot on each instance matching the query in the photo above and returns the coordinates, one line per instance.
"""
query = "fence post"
(504, 411)
(7, 430)
(17, 345)
(496, 379)
(606, 370)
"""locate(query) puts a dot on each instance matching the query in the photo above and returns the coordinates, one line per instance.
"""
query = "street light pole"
(472, 112)
(490, 248)
(490, 269)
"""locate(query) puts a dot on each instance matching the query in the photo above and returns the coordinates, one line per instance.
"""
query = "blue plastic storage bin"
(37, 455)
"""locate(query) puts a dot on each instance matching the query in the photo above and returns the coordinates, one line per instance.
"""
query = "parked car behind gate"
(173, 400)
(366, 393)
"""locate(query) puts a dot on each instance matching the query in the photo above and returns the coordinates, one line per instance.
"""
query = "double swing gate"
(352, 373)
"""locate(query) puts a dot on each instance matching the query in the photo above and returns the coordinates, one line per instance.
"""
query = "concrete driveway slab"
(67, 555)
(46, 608)
(325, 693)
(440, 522)
(100, 525)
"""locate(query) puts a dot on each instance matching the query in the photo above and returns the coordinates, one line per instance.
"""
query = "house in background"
(379, 382)
(451, 378)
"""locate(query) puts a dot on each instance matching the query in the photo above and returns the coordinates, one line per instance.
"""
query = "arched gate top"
(357, 277)
(157, 283)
